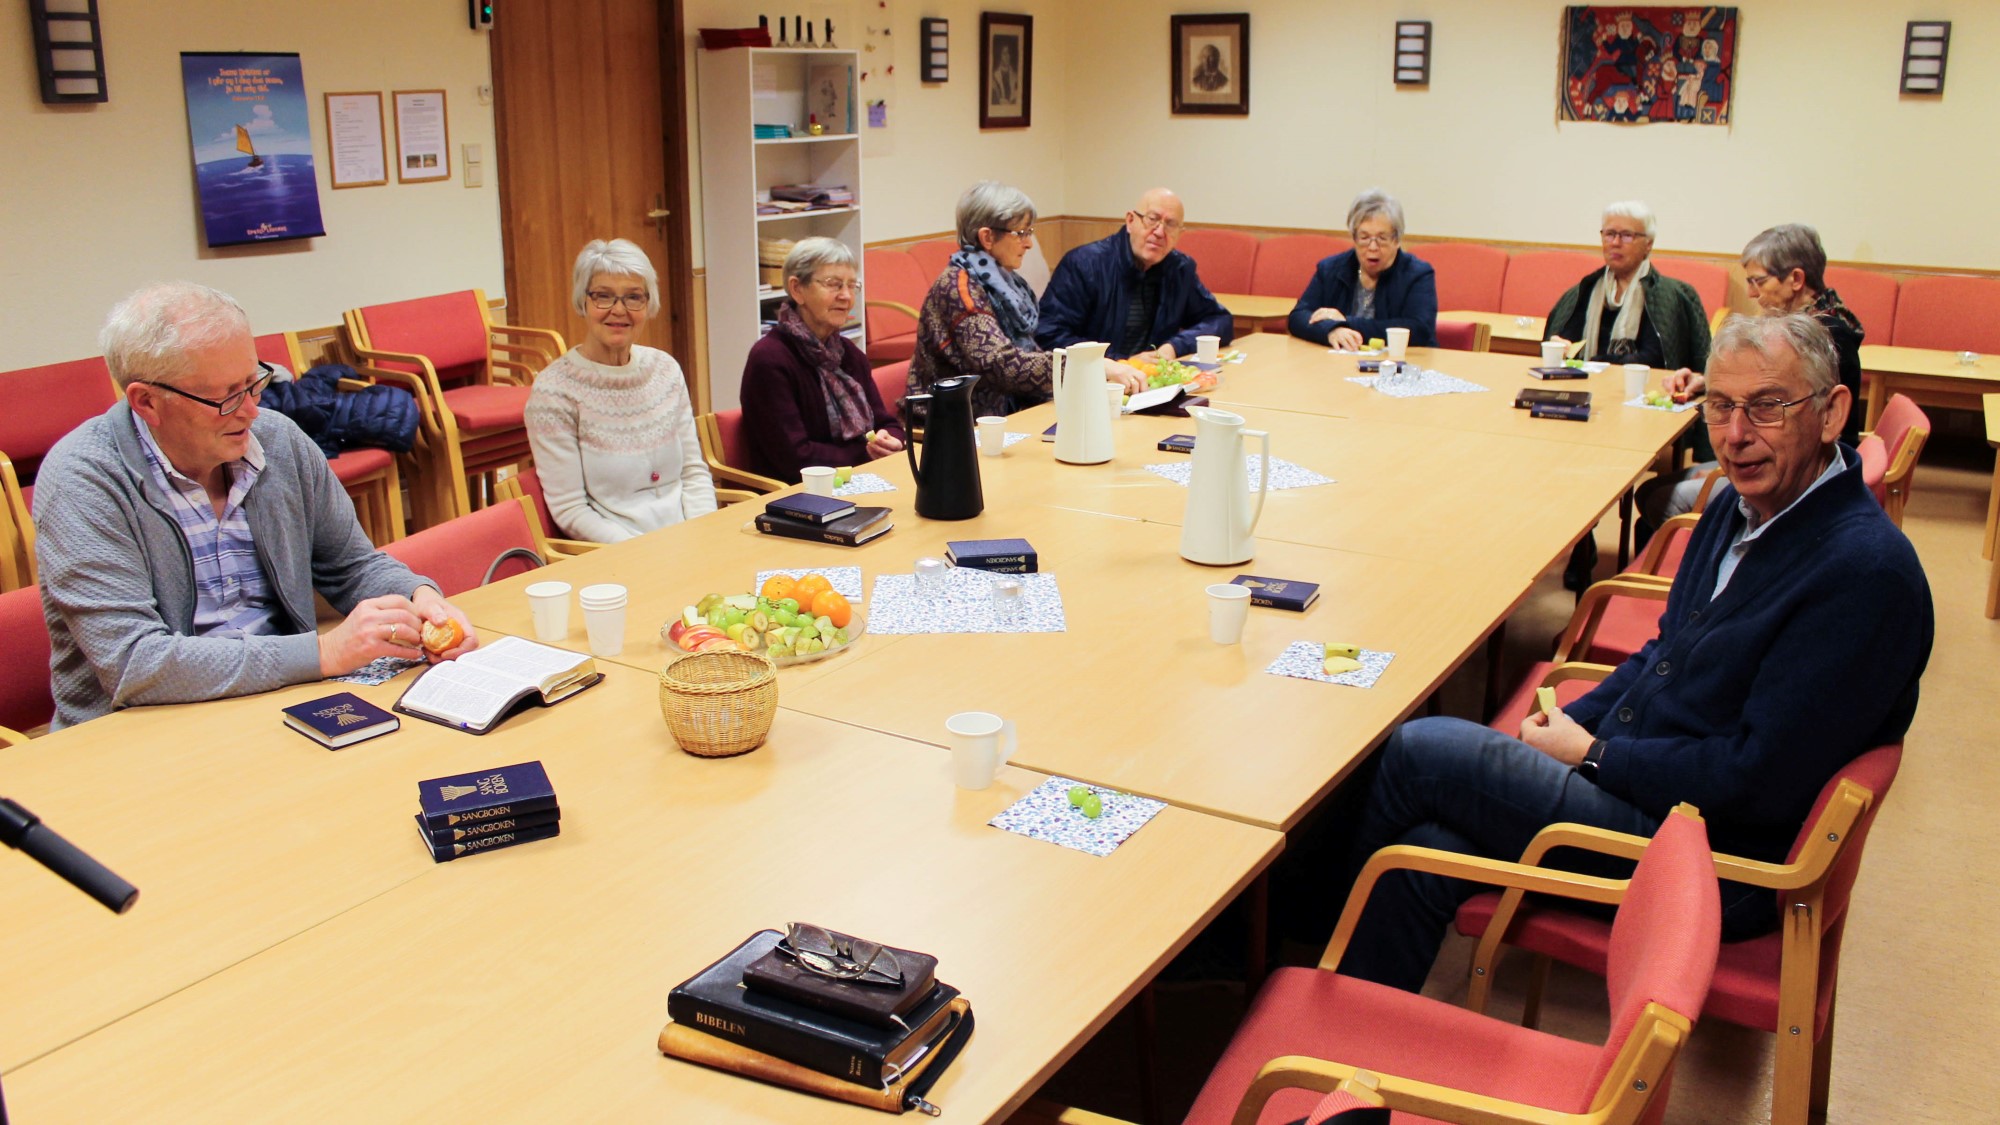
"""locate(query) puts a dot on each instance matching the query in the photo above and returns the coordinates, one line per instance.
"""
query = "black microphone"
(23, 830)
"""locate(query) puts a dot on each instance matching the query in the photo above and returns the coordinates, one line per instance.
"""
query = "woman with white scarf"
(1628, 312)
(979, 317)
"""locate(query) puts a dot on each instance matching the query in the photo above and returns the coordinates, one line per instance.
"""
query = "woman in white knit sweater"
(611, 422)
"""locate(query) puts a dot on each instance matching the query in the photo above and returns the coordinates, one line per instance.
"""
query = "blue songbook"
(810, 508)
(485, 795)
(446, 852)
(341, 719)
(1279, 593)
(1002, 556)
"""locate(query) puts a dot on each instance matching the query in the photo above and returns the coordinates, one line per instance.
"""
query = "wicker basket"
(719, 704)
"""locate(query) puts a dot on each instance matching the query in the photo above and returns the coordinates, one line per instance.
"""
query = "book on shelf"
(810, 507)
(483, 795)
(446, 851)
(716, 1002)
(477, 690)
(1279, 593)
(1001, 556)
(340, 719)
(864, 524)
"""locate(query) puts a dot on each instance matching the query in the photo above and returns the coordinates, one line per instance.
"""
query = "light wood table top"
(1283, 373)
(1518, 335)
(533, 985)
(1256, 306)
(1931, 376)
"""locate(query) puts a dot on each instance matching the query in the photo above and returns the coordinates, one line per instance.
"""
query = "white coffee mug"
(818, 479)
(1635, 379)
(1552, 353)
(549, 603)
(992, 435)
(1207, 348)
(1399, 342)
(981, 742)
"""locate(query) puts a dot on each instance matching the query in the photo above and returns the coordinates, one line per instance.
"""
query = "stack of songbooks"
(487, 810)
(827, 519)
(765, 132)
(824, 1012)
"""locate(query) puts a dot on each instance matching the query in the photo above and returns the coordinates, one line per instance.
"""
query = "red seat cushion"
(1469, 276)
(26, 701)
(1710, 281)
(1536, 278)
(273, 348)
(44, 403)
(1950, 313)
(356, 464)
(1515, 710)
(896, 348)
(1457, 335)
(1285, 264)
(1875, 467)
(448, 329)
(1223, 258)
(893, 275)
(456, 553)
(1870, 296)
(487, 406)
(932, 255)
(1359, 1023)
(1627, 624)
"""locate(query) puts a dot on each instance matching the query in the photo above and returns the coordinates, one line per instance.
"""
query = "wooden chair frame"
(1581, 630)
(1896, 479)
(1800, 1077)
(378, 497)
(17, 531)
(443, 487)
(711, 453)
(552, 548)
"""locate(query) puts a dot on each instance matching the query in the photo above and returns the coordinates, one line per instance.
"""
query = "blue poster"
(253, 162)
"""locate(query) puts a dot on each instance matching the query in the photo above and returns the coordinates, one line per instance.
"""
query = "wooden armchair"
(470, 377)
(1902, 431)
(27, 702)
(370, 476)
(17, 531)
(721, 436)
(466, 553)
(1783, 982)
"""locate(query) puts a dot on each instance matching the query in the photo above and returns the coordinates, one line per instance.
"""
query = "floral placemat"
(1044, 813)
(860, 484)
(1284, 474)
(1306, 660)
(1012, 438)
(962, 602)
(1417, 384)
(380, 670)
(1671, 408)
(846, 580)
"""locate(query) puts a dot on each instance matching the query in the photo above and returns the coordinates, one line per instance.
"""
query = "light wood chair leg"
(392, 505)
(1538, 979)
(1993, 590)
(1992, 514)
(1822, 1072)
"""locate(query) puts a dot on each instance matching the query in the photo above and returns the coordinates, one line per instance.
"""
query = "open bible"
(477, 690)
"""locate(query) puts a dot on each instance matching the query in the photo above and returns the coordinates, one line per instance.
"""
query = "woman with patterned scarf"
(807, 395)
(979, 317)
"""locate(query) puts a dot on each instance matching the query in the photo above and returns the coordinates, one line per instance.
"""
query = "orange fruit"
(832, 606)
(810, 587)
(779, 587)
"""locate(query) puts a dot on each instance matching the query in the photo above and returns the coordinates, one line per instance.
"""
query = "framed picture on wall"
(1006, 70)
(1211, 64)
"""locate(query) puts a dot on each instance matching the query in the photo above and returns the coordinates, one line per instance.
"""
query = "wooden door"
(589, 106)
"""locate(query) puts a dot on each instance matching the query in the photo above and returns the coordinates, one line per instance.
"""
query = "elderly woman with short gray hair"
(808, 397)
(979, 317)
(1358, 295)
(610, 420)
(1629, 312)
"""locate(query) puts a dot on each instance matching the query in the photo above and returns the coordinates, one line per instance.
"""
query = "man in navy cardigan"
(1793, 639)
(1133, 290)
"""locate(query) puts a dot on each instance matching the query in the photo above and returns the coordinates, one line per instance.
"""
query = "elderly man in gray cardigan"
(181, 534)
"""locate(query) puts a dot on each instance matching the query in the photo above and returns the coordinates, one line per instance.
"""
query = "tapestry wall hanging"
(1622, 64)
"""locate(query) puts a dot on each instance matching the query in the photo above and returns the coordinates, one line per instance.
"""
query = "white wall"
(100, 199)
(1818, 134)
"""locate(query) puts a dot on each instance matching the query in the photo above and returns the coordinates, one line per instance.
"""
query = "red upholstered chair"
(1783, 982)
(1901, 433)
(470, 377)
(1536, 278)
(17, 531)
(932, 255)
(1223, 258)
(458, 554)
(722, 447)
(896, 286)
(1710, 280)
(526, 484)
(892, 382)
(1870, 296)
(1310, 1030)
(26, 701)
(370, 476)
(1464, 335)
(44, 403)
(1285, 264)
(1950, 313)
(1469, 275)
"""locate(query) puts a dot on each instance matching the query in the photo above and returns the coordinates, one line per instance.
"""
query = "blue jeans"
(1452, 784)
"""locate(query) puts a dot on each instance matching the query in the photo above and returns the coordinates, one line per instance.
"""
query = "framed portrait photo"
(1006, 70)
(1211, 64)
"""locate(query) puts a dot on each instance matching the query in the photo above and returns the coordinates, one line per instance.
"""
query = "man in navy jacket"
(1793, 639)
(1133, 290)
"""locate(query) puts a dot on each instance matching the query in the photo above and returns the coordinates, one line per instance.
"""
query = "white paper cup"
(1115, 392)
(992, 435)
(818, 478)
(1635, 379)
(1552, 353)
(1228, 609)
(981, 742)
(1207, 348)
(549, 603)
(1399, 342)
(604, 617)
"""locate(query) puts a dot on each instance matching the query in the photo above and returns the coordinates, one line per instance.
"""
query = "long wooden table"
(296, 953)
(1928, 375)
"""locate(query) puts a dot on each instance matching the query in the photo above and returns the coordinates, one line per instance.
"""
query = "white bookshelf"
(738, 89)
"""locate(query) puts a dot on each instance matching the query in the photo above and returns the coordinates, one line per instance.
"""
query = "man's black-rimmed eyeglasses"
(226, 406)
